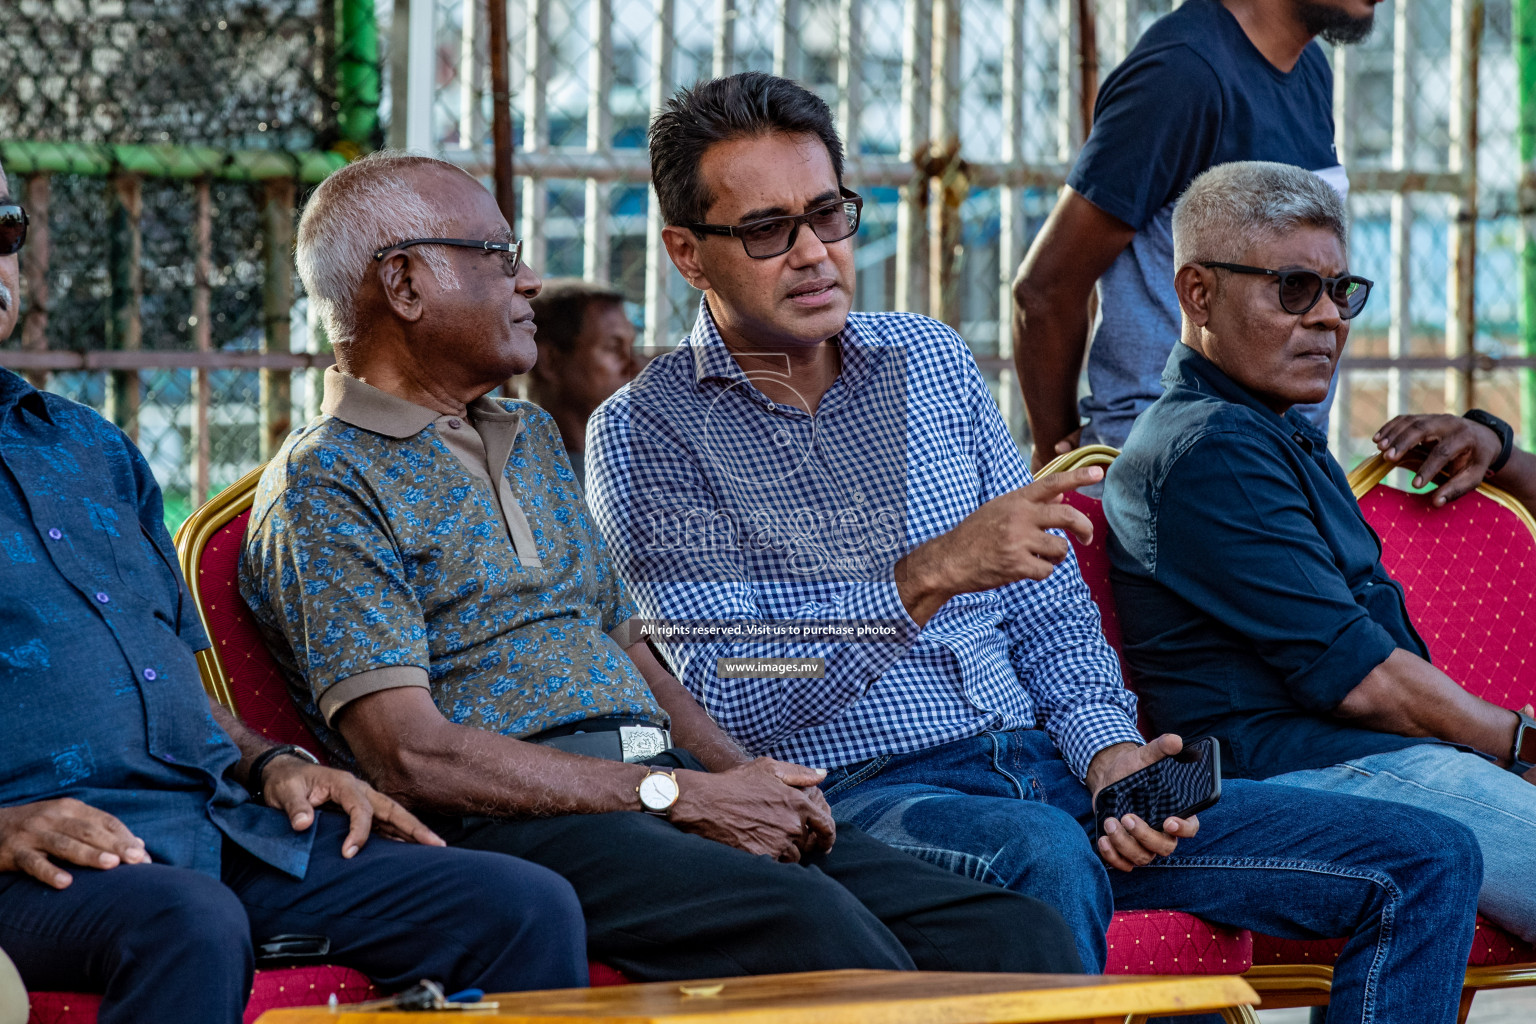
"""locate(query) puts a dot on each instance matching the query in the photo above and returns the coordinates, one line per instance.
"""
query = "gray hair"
(1231, 206)
(365, 205)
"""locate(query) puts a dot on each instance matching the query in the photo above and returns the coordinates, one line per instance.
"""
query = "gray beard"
(6, 298)
(1333, 25)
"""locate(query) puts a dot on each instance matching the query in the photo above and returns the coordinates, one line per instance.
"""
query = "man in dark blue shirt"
(1251, 592)
(115, 763)
(1212, 82)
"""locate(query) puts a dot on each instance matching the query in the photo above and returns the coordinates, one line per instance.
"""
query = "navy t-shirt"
(1194, 93)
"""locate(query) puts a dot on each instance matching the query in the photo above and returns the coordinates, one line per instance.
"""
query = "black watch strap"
(266, 757)
(1525, 742)
(1504, 430)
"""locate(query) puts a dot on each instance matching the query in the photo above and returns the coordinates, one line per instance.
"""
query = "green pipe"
(1524, 12)
(165, 161)
(357, 73)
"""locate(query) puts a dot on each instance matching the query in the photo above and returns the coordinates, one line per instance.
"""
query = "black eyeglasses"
(774, 236)
(1300, 289)
(512, 250)
(13, 228)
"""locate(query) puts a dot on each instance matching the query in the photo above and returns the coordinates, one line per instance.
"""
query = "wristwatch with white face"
(658, 792)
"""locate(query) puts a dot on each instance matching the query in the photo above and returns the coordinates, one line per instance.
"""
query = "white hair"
(1231, 206)
(361, 208)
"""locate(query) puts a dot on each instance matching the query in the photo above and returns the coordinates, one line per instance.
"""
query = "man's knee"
(1019, 934)
(516, 896)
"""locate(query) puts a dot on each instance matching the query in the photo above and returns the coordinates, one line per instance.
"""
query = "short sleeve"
(327, 584)
(1155, 126)
(1232, 501)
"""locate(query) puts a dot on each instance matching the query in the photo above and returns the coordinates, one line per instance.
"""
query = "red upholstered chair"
(1152, 941)
(1468, 571)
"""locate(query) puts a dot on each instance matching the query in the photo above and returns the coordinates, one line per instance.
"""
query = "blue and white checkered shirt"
(727, 509)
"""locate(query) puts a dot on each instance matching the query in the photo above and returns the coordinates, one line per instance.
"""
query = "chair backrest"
(1093, 558)
(1468, 571)
(237, 670)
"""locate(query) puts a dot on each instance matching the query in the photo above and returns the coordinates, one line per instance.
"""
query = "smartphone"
(1175, 787)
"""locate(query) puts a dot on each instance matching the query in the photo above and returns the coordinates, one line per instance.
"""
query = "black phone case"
(1192, 792)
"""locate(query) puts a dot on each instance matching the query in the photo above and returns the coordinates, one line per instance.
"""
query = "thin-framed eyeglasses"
(767, 237)
(513, 251)
(13, 228)
(1300, 289)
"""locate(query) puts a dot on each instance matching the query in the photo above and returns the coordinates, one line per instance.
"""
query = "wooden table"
(838, 997)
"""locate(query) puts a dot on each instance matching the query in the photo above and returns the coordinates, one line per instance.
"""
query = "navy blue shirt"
(1251, 592)
(100, 687)
(1193, 93)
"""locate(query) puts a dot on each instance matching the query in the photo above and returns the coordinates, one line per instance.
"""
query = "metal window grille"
(163, 148)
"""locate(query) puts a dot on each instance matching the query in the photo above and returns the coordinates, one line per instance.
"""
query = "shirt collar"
(359, 403)
(1190, 369)
(713, 361)
(15, 390)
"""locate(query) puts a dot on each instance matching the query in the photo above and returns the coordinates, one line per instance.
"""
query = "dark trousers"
(170, 944)
(662, 904)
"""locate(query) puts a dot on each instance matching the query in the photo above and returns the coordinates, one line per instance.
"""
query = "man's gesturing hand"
(69, 830)
(297, 787)
(1129, 842)
(765, 806)
(1002, 542)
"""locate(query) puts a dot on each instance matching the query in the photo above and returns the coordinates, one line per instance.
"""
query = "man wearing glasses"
(151, 844)
(838, 545)
(1298, 654)
(424, 567)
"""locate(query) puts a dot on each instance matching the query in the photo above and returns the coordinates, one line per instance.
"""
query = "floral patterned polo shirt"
(381, 554)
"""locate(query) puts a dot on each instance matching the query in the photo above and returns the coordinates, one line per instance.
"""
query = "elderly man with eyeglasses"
(423, 564)
(150, 843)
(1298, 653)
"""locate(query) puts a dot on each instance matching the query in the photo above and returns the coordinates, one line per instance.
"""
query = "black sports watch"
(1504, 430)
(1523, 754)
(259, 766)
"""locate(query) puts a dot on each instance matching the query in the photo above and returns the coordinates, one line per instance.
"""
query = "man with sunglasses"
(1251, 592)
(150, 844)
(424, 568)
(839, 548)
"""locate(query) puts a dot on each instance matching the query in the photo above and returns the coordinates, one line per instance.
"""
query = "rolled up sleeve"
(1263, 569)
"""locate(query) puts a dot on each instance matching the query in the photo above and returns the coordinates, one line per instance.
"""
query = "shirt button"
(56, 533)
(455, 424)
(102, 596)
(151, 674)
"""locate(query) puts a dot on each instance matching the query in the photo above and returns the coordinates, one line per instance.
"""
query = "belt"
(611, 738)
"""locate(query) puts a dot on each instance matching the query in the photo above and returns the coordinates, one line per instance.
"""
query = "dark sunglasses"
(513, 251)
(1300, 289)
(13, 228)
(774, 236)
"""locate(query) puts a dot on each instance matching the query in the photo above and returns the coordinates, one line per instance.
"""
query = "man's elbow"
(1379, 703)
(1031, 291)
(409, 768)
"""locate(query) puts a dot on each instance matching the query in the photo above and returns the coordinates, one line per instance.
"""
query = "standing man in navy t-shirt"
(1213, 82)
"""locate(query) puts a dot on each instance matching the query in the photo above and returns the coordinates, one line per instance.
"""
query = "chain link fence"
(167, 144)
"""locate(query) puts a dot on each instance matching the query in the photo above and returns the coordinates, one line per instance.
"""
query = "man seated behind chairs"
(795, 466)
(586, 353)
(1298, 654)
(422, 563)
(135, 860)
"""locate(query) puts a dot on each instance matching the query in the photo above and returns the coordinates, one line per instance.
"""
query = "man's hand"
(1074, 440)
(1440, 443)
(74, 832)
(1002, 542)
(297, 788)
(1129, 842)
(765, 807)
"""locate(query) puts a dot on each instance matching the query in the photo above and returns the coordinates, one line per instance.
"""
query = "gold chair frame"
(190, 540)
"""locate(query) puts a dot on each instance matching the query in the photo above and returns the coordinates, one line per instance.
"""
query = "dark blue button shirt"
(100, 689)
(1251, 592)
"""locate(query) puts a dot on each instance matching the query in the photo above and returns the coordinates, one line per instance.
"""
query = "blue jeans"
(171, 944)
(1399, 882)
(1498, 806)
